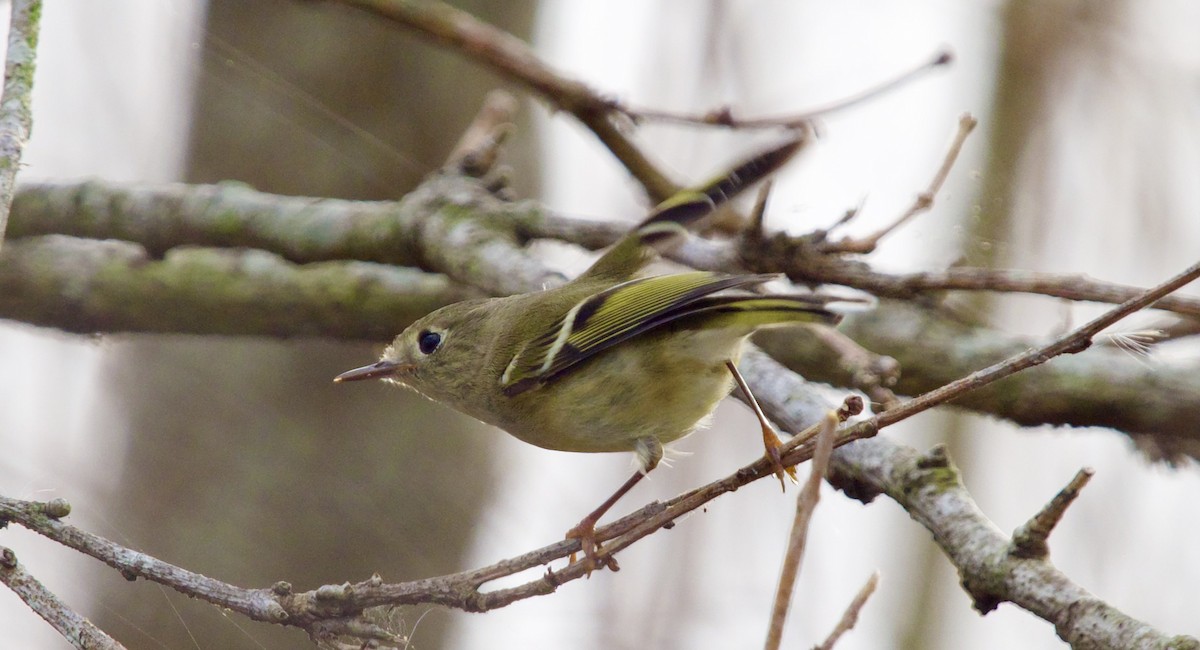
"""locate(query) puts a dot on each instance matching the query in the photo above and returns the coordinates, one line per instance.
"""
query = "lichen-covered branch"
(457, 226)
(449, 211)
(87, 286)
(16, 111)
(1157, 404)
(929, 488)
(446, 224)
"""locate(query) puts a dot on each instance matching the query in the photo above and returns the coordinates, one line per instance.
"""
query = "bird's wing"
(609, 317)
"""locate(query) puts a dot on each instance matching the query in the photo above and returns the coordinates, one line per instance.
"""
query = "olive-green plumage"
(657, 384)
(605, 362)
(608, 361)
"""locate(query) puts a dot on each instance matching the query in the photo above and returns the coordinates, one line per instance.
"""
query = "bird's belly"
(636, 392)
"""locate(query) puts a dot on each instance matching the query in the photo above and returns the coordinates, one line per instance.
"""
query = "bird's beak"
(378, 370)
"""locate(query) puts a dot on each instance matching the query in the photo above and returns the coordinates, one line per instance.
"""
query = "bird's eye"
(428, 342)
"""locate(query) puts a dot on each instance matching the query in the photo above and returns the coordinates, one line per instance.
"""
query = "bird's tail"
(669, 222)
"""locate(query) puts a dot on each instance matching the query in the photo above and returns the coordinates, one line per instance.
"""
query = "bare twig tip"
(850, 616)
(1029, 540)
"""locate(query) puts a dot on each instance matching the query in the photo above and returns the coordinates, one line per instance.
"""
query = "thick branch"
(16, 113)
(86, 286)
(929, 488)
(1158, 404)
(434, 227)
(308, 229)
(446, 224)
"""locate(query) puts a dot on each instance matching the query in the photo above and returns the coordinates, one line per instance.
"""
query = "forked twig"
(923, 202)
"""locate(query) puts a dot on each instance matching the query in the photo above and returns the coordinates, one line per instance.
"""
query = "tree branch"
(850, 616)
(16, 112)
(806, 504)
(1157, 404)
(514, 59)
(928, 486)
(723, 116)
(87, 286)
(433, 227)
(77, 630)
(305, 229)
(1077, 615)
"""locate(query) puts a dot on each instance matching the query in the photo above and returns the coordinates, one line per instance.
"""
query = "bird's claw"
(775, 456)
(593, 553)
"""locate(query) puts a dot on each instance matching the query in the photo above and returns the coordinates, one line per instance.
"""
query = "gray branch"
(88, 286)
(989, 563)
(1156, 404)
(16, 111)
(449, 224)
(77, 630)
(457, 226)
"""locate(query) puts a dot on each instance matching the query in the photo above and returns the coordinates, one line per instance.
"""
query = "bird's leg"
(770, 439)
(649, 451)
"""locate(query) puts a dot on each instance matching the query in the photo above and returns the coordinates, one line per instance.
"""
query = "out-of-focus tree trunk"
(244, 460)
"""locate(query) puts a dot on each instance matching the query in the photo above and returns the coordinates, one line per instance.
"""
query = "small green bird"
(607, 362)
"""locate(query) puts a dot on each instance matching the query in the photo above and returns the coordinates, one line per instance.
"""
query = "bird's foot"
(593, 553)
(775, 456)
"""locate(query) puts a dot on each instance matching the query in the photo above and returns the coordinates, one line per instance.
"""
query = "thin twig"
(43, 518)
(1030, 539)
(511, 57)
(480, 145)
(850, 616)
(923, 202)
(1072, 342)
(723, 116)
(755, 224)
(870, 372)
(76, 629)
(1075, 341)
(16, 112)
(1069, 286)
(806, 504)
(796, 257)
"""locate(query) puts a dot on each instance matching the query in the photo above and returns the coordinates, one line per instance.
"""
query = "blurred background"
(239, 459)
